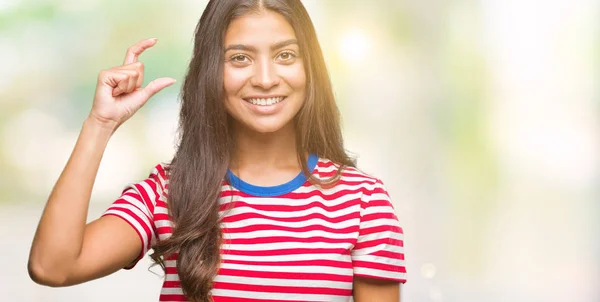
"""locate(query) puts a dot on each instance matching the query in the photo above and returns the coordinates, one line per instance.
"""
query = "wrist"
(100, 126)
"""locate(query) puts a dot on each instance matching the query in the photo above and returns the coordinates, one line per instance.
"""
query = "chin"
(265, 128)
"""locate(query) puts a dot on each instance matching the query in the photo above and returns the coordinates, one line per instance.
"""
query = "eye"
(239, 58)
(287, 55)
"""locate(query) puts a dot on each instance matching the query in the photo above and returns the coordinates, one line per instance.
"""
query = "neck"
(264, 151)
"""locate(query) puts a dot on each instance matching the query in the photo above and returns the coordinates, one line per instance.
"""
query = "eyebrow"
(253, 49)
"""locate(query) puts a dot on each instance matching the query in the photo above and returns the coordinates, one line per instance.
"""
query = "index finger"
(134, 51)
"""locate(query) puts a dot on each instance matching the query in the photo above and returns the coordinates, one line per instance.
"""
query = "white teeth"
(266, 102)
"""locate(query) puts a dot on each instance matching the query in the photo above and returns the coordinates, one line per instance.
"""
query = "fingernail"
(155, 39)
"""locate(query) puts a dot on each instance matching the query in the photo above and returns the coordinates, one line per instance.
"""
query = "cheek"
(233, 80)
(295, 77)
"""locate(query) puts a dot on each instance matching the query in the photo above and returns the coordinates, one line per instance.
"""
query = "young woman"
(259, 203)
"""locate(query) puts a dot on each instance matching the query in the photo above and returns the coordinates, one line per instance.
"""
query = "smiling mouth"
(265, 101)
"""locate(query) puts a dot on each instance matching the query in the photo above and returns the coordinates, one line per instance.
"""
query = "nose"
(265, 75)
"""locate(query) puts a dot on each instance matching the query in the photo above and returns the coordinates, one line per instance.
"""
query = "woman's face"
(264, 77)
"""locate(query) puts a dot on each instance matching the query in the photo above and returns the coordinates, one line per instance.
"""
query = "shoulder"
(159, 175)
(350, 176)
(154, 186)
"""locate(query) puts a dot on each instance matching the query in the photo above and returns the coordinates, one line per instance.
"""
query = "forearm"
(58, 239)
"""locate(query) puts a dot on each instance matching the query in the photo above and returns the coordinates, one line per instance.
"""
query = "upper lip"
(264, 97)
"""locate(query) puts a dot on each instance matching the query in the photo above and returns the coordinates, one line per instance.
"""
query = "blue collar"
(285, 188)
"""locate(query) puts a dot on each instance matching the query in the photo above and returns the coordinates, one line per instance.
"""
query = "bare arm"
(58, 245)
(375, 290)
(66, 251)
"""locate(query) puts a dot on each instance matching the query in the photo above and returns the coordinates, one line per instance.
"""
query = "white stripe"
(377, 196)
(163, 223)
(371, 187)
(378, 210)
(149, 190)
(381, 235)
(164, 236)
(171, 291)
(283, 258)
(357, 177)
(293, 224)
(283, 282)
(161, 183)
(379, 273)
(285, 245)
(141, 213)
(276, 201)
(335, 189)
(379, 222)
(312, 210)
(138, 204)
(283, 268)
(277, 233)
(275, 296)
(380, 260)
(379, 247)
(161, 210)
(322, 170)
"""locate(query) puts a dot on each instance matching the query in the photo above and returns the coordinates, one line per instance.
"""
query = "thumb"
(157, 85)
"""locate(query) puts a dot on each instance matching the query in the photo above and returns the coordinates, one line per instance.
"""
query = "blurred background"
(482, 118)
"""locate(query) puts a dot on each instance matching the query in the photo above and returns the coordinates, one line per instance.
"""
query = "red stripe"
(380, 203)
(273, 239)
(291, 207)
(283, 252)
(325, 164)
(273, 275)
(144, 194)
(330, 263)
(379, 266)
(122, 201)
(388, 254)
(164, 297)
(375, 216)
(171, 284)
(284, 289)
(164, 230)
(249, 215)
(152, 183)
(270, 227)
(228, 299)
(161, 216)
(346, 173)
(380, 229)
(285, 275)
(386, 240)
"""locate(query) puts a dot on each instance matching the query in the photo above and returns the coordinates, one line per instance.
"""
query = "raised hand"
(119, 93)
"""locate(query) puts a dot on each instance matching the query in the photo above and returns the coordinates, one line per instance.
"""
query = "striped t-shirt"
(292, 242)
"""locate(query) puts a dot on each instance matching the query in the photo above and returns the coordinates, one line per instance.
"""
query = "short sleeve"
(136, 206)
(379, 250)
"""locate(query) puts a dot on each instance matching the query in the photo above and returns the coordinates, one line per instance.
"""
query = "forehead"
(259, 29)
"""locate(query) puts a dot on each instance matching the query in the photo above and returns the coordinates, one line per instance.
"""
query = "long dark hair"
(200, 164)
